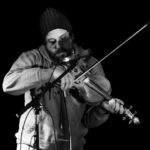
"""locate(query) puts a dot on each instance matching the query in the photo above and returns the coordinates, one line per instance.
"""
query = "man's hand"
(114, 106)
(67, 81)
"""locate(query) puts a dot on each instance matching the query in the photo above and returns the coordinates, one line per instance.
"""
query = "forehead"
(57, 33)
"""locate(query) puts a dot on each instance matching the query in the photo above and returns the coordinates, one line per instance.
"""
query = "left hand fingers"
(119, 101)
(117, 105)
(119, 108)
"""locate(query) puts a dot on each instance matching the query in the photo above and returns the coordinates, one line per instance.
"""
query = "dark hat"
(52, 19)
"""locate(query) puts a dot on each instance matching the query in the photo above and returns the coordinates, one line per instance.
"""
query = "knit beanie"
(53, 19)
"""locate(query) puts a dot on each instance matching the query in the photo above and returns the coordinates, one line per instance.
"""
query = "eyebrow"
(51, 39)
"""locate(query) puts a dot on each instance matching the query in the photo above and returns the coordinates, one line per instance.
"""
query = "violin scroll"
(131, 116)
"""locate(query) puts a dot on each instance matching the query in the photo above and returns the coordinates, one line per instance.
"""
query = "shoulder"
(29, 53)
(90, 61)
(28, 57)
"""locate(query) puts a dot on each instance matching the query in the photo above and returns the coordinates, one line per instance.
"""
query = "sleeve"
(25, 74)
(96, 115)
(98, 77)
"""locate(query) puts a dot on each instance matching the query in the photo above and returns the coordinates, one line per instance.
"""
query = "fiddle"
(84, 83)
(87, 83)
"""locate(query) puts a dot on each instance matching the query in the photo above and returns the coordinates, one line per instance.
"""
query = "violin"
(99, 93)
(83, 82)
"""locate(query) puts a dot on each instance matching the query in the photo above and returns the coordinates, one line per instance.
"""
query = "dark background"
(100, 27)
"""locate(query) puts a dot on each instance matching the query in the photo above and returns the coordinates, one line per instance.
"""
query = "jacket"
(29, 74)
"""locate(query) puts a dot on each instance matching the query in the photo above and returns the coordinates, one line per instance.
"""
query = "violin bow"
(124, 42)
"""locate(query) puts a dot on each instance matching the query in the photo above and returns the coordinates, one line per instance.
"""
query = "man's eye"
(52, 41)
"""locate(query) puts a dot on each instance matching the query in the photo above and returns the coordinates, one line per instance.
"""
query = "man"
(66, 110)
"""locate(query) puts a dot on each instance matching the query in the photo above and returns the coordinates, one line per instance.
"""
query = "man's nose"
(57, 45)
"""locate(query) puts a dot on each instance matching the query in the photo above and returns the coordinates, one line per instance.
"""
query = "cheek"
(51, 48)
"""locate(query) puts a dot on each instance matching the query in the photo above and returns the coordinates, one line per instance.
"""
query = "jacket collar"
(45, 54)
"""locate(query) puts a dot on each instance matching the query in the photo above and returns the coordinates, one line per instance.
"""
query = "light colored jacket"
(30, 73)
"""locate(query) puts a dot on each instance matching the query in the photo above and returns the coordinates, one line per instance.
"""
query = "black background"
(100, 27)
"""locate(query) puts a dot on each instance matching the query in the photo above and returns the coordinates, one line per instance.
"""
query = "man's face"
(58, 43)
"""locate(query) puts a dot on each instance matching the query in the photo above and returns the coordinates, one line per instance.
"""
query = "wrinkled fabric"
(30, 74)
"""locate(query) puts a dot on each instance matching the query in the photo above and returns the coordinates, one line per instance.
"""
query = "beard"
(57, 57)
(65, 50)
